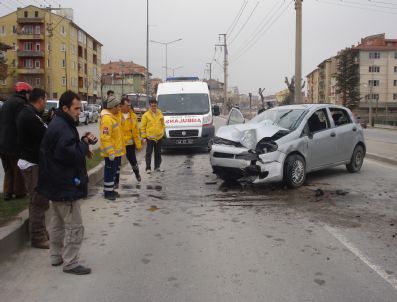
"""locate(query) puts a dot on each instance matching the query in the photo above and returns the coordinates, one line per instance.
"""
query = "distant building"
(123, 77)
(55, 58)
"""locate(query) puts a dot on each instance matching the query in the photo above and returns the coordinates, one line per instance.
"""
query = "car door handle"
(354, 129)
(333, 134)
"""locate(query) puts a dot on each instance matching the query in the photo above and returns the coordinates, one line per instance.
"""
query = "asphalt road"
(184, 235)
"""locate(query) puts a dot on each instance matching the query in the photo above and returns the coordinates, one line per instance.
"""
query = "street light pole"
(166, 53)
(147, 48)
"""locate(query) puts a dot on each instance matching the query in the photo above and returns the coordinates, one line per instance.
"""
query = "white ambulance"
(188, 113)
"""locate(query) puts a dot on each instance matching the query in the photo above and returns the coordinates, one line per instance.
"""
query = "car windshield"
(138, 101)
(284, 118)
(50, 105)
(186, 103)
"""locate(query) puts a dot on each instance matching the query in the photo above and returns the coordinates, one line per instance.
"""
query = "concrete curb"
(381, 158)
(15, 235)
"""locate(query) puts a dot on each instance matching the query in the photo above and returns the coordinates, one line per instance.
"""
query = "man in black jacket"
(31, 129)
(63, 180)
(13, 180)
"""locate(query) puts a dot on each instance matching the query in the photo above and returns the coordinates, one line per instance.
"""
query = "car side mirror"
(215, 110)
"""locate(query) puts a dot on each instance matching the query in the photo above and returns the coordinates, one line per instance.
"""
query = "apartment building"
(50, 51)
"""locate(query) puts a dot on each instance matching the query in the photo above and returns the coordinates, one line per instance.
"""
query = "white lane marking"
(376, 268)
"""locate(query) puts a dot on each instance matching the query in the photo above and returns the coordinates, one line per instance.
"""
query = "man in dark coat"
(13, 180)
(63, 180)
(31, 129)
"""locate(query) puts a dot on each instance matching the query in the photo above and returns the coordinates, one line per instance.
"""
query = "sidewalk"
(382, 151)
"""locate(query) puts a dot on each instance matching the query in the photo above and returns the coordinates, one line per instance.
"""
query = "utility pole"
(210, 64)
(298, 52)
(50, 35)
(225, 65)
(147, 48)
(250, 96)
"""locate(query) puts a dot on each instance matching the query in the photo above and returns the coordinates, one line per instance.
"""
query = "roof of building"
(377, 42)
(119, 67)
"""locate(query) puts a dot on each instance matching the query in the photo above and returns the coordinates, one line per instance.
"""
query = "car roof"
(307, 106)
(182, 87)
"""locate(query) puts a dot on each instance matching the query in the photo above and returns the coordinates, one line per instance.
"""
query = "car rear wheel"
(356, 160)
(294, 171)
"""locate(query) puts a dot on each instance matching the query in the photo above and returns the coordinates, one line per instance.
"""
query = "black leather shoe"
(78, 270)
(110, 197)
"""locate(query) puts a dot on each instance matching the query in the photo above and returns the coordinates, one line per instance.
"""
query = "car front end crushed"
(232, 161)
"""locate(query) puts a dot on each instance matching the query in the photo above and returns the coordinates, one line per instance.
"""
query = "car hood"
(235, 132)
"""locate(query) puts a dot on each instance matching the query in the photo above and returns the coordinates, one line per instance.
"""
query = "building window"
(395, 55)
(37, 30)
(37, 64)
(14, 46)
(374, 55)
(395, 82)
(63, 63)
(27, 29)
(373, 82)
(37, 46)
(25, 14)
(28, 63)
(14, 29)
(372, 96)
(62, 30)
(72, 49)
(374, 69)
(36, 14)
(3, 82)
(3, 30)
(394, 96)
(48, 62)
(38, 81)
(395, 69)
(28, 46)
(63, 47)
(63, 81)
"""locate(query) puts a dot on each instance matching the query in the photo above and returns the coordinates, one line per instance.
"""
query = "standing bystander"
(31, 129)
(152, 132)
(13, 180)
(63, 180)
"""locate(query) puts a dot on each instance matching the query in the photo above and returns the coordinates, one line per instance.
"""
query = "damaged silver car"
(287, 142)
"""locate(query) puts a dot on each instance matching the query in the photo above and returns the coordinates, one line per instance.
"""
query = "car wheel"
(356, 160)
(294, 171)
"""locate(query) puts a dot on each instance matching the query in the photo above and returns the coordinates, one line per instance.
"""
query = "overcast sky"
(261, 60)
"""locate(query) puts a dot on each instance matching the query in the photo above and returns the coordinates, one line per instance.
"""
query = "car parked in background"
(139, 103)
(287, 142)
(93, 113)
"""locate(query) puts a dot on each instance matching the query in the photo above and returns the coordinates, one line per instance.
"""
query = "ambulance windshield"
(183, 104)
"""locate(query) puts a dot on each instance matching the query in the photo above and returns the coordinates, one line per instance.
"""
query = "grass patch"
(10, 208)
(95, 160)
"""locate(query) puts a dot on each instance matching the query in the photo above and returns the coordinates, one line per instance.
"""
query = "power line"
(355, 6)
(367, 4)
(262, 32)
(235, 20)
(5, 5)
(257, 30)
(245, 23)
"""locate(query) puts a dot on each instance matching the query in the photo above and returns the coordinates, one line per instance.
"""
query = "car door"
(321, 143)
(346, 132)
(235, 117)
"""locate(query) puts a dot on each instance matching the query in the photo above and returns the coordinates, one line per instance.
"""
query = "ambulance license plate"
(184, 141)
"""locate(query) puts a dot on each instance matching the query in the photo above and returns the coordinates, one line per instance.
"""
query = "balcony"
(30, 36)
(30, 54)
(30, 70)
(30, 20)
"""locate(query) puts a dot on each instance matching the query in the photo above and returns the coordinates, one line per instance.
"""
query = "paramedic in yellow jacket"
(152, 132)
(132, 139)
(112, 145)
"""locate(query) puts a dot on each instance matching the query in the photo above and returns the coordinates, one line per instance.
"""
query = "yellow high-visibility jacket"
(112, 142)
(129, 127)
(152, 127)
